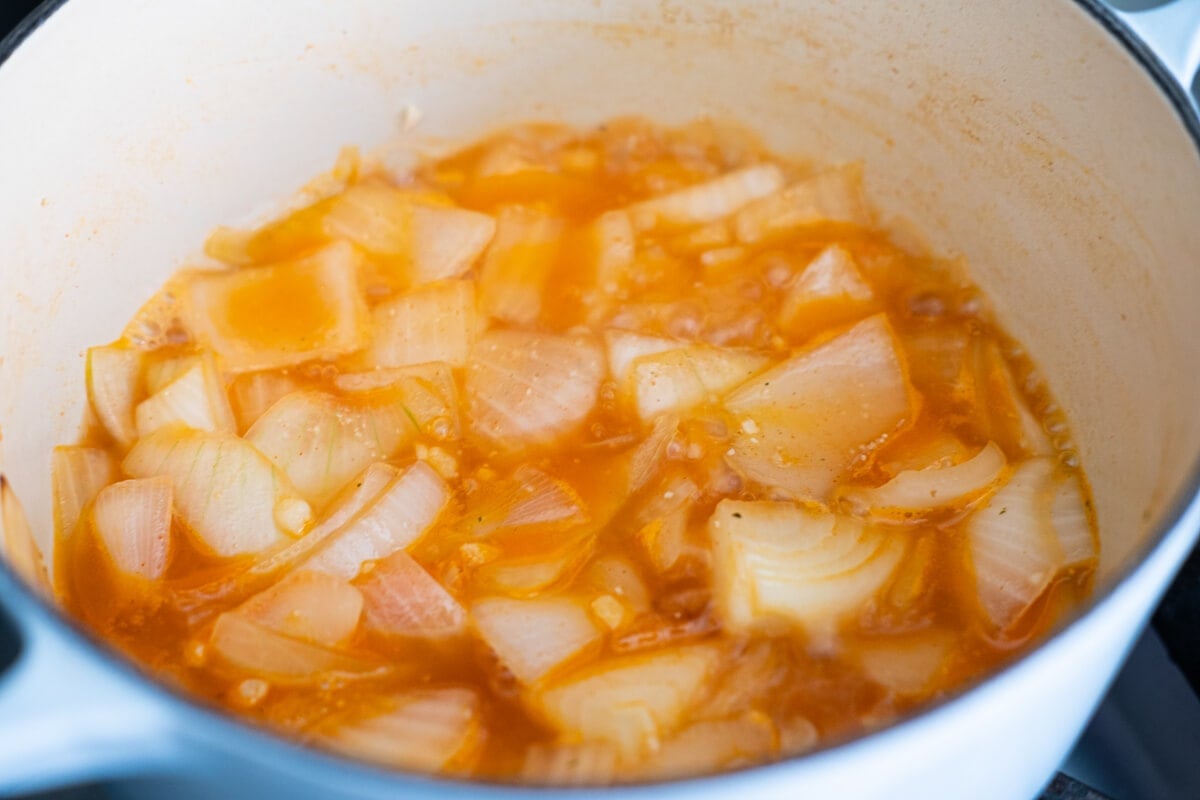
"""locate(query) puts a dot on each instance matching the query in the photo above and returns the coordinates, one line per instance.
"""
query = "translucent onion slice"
(77, 474)
(914, 493)
(1069, 517)
(245, 645)
(529, 497)
(804, 420)
(526, 389)
(632, 702)
(534, 637)
(402, 599)
(112, 385)
(708, 201)
(266, 317)
(906, 665)
(529, 575)
(517, 265)
(158, 372)
(427, 392)
(133, 521)
(226, 492)
(829, 292)
(782, 561)
(195, 399)
(650, 455)
(254, 393)
(681, 379)
(436, 322)
(321, 441)
(661, 520)
(711, 746)
(835, 195)
(570, 764)
(613, 242)
(439, 242)
(625, 347)
(397, 518)
(17, 544)
(428, 730)
(1012, 543)
(308, 605)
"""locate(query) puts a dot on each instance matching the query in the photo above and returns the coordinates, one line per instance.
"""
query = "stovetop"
(1143, 742)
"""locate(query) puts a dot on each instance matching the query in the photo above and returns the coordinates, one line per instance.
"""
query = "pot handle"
(1172, 32)
(66, 714)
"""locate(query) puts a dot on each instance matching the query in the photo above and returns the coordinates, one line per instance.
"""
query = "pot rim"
(17, 598)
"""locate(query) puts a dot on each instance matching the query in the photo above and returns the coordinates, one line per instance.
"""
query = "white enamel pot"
(1039, 138)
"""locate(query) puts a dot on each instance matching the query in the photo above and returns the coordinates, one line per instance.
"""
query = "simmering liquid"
(572, 457)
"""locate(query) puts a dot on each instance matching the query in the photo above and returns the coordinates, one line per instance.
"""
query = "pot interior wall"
(1019, 134)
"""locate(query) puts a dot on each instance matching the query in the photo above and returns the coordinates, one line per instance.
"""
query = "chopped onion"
(436, 322)
(632, 702)
(528, 388)
(648, 458)
(524, 576)
(1005, 407)
(157, 372)
(779, 560)
(17, 544)
(256, 649)
(321, 441)
(308, 605)
(402, 599)
(906, 665)
(426, 730)
(570, 764)
(397, 518)
(711, 746)
(133, 521)
(625, 347)
(226, 492)
(914, 493)
(810, 415)
(427, 392)
(195, 399)
(112, 385)
(835, 195)
(266, 317)
(618, 577)
(1012, 545)
(438, 242)
(517, 265)
(662, 518)
(255, 393)
(708, 201)
(829, 292)
(529, 497)
(77, 474)
(611, 237)
(1069, 517)
(681, 379)
(534, 637)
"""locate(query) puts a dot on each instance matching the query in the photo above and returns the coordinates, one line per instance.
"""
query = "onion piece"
(17, 544)
(534, 637)
(612, 240)
(782, 561)
(256, 649)
(112, 386)
(906, 665)
(195, 399)
(226, 492)
(809, 416)
(402, 599)
(829, 292)
(708, 201)
(681, 379)
(517, 265)
(631, 702)
(77, 474)
(436, 322)
(133, 521)
(625, 347)
(321, 441)
(1071, 523)
(427, 392)
(525, 389)
(308, 605)
(648, 457)
(158, 372)
(570, 764)
(661, 520)
(835, 195)
(529, 497)
(266, 317)
(254, 393)
(915, 493)
(427, 730)
(1012, 544)
(524, 576)
(397, 518)
(711, 746)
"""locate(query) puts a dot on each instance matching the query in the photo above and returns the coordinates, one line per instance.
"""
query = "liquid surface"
(572, 457)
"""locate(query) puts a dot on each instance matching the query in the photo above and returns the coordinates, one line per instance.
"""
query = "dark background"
(1176, 622)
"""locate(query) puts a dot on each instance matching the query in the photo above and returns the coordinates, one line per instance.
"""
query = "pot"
(1040, 139)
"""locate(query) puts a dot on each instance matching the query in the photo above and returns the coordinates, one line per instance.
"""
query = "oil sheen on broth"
(571, 457)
